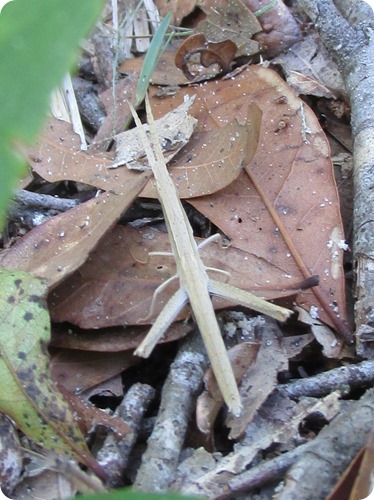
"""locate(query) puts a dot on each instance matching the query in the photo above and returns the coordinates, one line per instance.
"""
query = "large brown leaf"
(116, 284)
(55, 249)
(110, 339)
(293, 171)
(277, 238)
(213, 159)
(180, 8)
(57, 157)
(197, 171)
(234, 21)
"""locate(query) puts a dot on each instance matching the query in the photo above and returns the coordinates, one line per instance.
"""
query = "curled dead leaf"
(221, 53)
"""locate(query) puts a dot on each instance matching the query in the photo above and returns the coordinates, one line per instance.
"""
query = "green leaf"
(27, 393)
(128, 494)
(38, 44)
(155, 50)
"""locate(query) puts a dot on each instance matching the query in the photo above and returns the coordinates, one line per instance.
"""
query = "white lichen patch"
(314, 312)
(336, 245)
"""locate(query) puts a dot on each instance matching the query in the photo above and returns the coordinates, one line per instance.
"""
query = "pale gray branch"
(114, 454)
(160, 460)
(353, 376)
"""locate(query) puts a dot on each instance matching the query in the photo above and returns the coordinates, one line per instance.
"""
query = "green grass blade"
(154, 52)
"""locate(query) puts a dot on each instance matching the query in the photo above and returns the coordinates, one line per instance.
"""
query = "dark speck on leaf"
(34, 298)
(23, 375)
(17, 282)
(28, 316)
(42, 378)
(22, 355)
(44, 347)
(33, 391)
(11, 299)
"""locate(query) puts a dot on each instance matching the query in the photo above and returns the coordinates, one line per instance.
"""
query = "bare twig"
(323, 383)
(45, 201)
(114, 454)
(34, 208)
(269, 471)
(179, 393)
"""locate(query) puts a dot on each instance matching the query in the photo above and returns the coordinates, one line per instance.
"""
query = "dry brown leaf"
(174, 131)
(305, 85)
(55, 249)
(292, 346)
(196, 172)
(166, 73)
(293, 168)
(77, 371)
(118, 281)
(310, 58)
(116, 284)
(117, 110)
(220, 53)
(234, 21)
(203, 168)
(280, 30)
(180, 8)
(109, 339)
(323, 334)
(57, 158)
(260, 379)
(211, 401)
